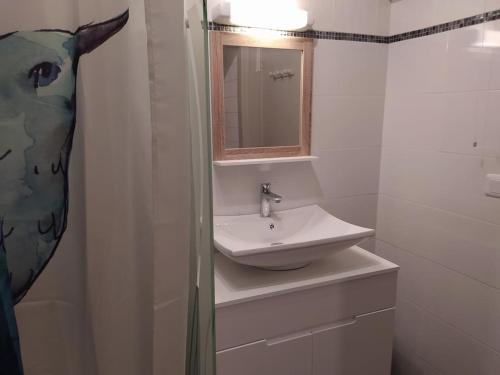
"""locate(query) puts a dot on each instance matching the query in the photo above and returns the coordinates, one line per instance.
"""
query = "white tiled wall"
(408, 15)
(348, 105)
(423, 189)
(231, 106)
(353, 16)
(433, 217)
(347, 119)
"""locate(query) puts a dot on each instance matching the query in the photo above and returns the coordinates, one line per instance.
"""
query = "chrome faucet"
(266, 197)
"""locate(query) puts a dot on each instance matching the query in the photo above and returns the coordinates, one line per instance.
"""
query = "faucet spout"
(266, 197)
(275, 198)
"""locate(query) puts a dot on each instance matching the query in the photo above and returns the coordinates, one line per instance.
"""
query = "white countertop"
(235, 283)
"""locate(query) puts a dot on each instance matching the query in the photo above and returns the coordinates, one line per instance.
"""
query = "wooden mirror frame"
(217, 42)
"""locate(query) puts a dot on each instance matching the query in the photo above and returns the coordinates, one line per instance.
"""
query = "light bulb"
(268, 14)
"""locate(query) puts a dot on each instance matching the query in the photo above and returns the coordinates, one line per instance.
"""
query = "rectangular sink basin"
(288, 239)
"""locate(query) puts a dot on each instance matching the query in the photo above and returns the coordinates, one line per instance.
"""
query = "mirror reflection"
(262, 97)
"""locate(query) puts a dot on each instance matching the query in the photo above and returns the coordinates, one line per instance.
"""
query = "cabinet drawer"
(286, 356)
(361, 346)
(276, 316)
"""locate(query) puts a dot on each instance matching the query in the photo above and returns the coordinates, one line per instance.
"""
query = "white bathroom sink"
(287, 240)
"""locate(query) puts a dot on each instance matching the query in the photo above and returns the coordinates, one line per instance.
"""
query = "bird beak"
(91, 36)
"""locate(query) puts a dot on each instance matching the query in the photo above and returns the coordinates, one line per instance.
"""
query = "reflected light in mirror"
(268, 14)
(491, 39)
(264, 33)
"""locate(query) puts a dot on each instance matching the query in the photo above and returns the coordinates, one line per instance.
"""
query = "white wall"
(348, 104)
(231, 108)
(353, 16)
(281, 123)
(442, 96)
(433, 217)
(409, 15)
(348, 96)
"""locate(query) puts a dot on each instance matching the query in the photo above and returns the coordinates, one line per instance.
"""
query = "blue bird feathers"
(37, 122)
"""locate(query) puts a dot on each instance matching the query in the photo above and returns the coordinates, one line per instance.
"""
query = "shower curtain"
(91, 310)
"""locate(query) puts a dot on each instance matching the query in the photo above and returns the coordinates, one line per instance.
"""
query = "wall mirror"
(261, 96)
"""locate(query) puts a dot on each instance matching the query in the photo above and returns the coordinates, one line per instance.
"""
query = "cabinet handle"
(302, 334)
(293, 336)
(342, 323)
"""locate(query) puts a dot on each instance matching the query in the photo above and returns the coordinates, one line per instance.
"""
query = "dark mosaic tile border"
(313, 34)
(332, 35)
(453, 25)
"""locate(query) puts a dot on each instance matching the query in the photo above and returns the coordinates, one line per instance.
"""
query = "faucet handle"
(266, 187)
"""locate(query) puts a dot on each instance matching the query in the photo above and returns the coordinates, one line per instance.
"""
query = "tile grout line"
(450, 325)
(466, 276)
(446, 211)
(367, 38)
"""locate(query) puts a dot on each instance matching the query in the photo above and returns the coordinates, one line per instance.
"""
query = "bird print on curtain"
(37, 121)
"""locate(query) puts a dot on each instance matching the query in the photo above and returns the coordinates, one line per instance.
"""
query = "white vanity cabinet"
(286, 356)
(361, 346)
(335, 316)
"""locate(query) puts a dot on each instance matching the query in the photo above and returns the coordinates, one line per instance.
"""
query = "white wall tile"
(323, 12)
(435, 121)
(408, 15)
(413, 121)
(490, 136)
(372, 16)
(384, 17)
(359, 15)
(407, 363)
(467, 62)
(492, 5)
(469, 246)
(232, 134)
(347, 121)
(360, 209)
(231, 120)
(420, 334)
(463, 119)
(457, 9)
(472, 307)
(237, 189)
(230, 88)
(349, 68)
(344, 173)
(433, 215)
(448, 181)
(231, 105)
(492, 42)
(418, 65)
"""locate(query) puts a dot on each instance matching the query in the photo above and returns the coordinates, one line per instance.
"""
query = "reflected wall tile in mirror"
(263, 87)
(261, 94)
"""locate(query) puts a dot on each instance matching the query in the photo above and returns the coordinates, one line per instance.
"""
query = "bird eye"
(44, 74)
